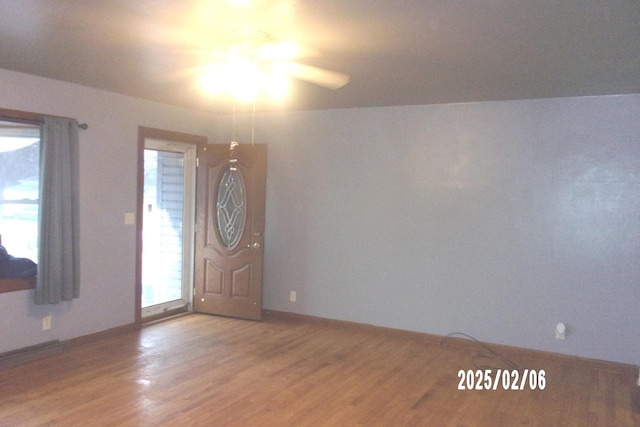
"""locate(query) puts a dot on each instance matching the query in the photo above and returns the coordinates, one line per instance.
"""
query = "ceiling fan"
(252, 62)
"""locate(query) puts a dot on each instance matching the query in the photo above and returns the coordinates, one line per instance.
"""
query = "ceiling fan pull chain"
(253, 124)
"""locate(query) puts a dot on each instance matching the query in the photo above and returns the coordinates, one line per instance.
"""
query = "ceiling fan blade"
(319, 76)
(285, 50)
(210, 53)
(280, 51)
(182, 74)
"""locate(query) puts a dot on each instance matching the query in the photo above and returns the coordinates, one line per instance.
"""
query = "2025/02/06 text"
(488, 379)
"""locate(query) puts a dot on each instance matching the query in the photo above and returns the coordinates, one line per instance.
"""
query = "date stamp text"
(490, 379)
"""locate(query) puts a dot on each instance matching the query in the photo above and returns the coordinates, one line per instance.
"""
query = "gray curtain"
(58, 256)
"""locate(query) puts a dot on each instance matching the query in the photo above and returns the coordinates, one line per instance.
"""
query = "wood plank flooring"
(199, 370)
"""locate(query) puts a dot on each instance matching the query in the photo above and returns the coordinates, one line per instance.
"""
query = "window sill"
(12, 285)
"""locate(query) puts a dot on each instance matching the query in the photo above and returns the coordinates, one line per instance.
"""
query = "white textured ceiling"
(397, 52)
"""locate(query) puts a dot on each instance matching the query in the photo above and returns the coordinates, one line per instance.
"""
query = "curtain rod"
(27, 117)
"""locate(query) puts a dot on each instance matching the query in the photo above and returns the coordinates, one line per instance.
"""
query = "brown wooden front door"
(230, 201)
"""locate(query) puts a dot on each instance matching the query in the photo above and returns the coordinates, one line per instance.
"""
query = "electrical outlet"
(561, 330)
(292, 296)
(46, 323)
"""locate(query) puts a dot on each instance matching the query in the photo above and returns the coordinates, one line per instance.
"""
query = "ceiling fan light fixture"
(212, 81)
(283, 50)
(276, 85)
(259, 64)
(244, 80)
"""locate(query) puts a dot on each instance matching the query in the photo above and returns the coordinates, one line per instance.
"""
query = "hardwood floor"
(203, 370)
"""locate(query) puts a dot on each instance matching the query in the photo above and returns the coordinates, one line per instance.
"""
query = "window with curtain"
(46, 203)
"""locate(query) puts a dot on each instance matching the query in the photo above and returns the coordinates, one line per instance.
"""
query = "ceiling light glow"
(276, 85)
(284, 50)
(245, 80)
(213, 81)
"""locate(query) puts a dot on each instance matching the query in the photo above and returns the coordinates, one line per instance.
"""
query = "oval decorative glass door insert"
(231, 207)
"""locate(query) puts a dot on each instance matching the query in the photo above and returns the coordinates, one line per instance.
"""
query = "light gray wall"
(108, 156)
(495, 219)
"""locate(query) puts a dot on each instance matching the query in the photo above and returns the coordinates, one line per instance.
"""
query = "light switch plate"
(129, 218)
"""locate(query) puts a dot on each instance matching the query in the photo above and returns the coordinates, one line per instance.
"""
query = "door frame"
(145, 133)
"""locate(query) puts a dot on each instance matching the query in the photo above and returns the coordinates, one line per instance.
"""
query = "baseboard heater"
(29, 354)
